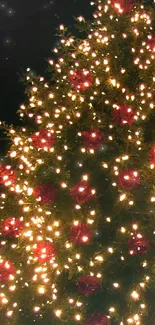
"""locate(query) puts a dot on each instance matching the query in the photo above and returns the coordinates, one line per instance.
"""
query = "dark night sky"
(27, 35)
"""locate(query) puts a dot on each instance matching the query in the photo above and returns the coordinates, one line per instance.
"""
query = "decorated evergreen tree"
(77, 203)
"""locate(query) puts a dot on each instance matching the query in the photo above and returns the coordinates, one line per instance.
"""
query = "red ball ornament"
(80, 233)
(128, 179)
(82, 192)
(12, 227)
(7, 174)
(151, 43)
(152, 155)
(81, 79)
(122, 6)
(7, 271)
(97, 319)
(44, 251)
(45, 192)
(43, 139)
(92, 139)
(123, 115)
(88, 285)
(138, 245)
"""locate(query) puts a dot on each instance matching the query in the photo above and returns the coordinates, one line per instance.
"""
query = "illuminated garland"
(73, 202)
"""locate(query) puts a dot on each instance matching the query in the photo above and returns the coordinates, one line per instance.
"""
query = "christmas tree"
(77, 199)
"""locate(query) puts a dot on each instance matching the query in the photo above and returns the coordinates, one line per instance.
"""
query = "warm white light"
(116, 285)
(36, 309)
(78, 317)
(58, 312)
(41, 290)
(135, 295)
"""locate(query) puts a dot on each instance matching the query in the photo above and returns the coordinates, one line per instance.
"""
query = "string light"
(60, 108)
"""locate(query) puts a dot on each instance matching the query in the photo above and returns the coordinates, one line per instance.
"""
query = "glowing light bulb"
(58, 312)
(135, 295)
(41, 290)
(78, 317)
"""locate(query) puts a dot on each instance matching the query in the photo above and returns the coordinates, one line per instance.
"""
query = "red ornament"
(45, 192)
(97, 319)
(122, 6)
(7, 174)
(12, 227)
(138, 245)
(7, 271)
(80, 233)
(152, 155)
(88, 285)
(123, 115)
(151, 43)
(43, 139)
(92, 139)
(82, 192)
(44, 251)
(81, 79)
(128, 179)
